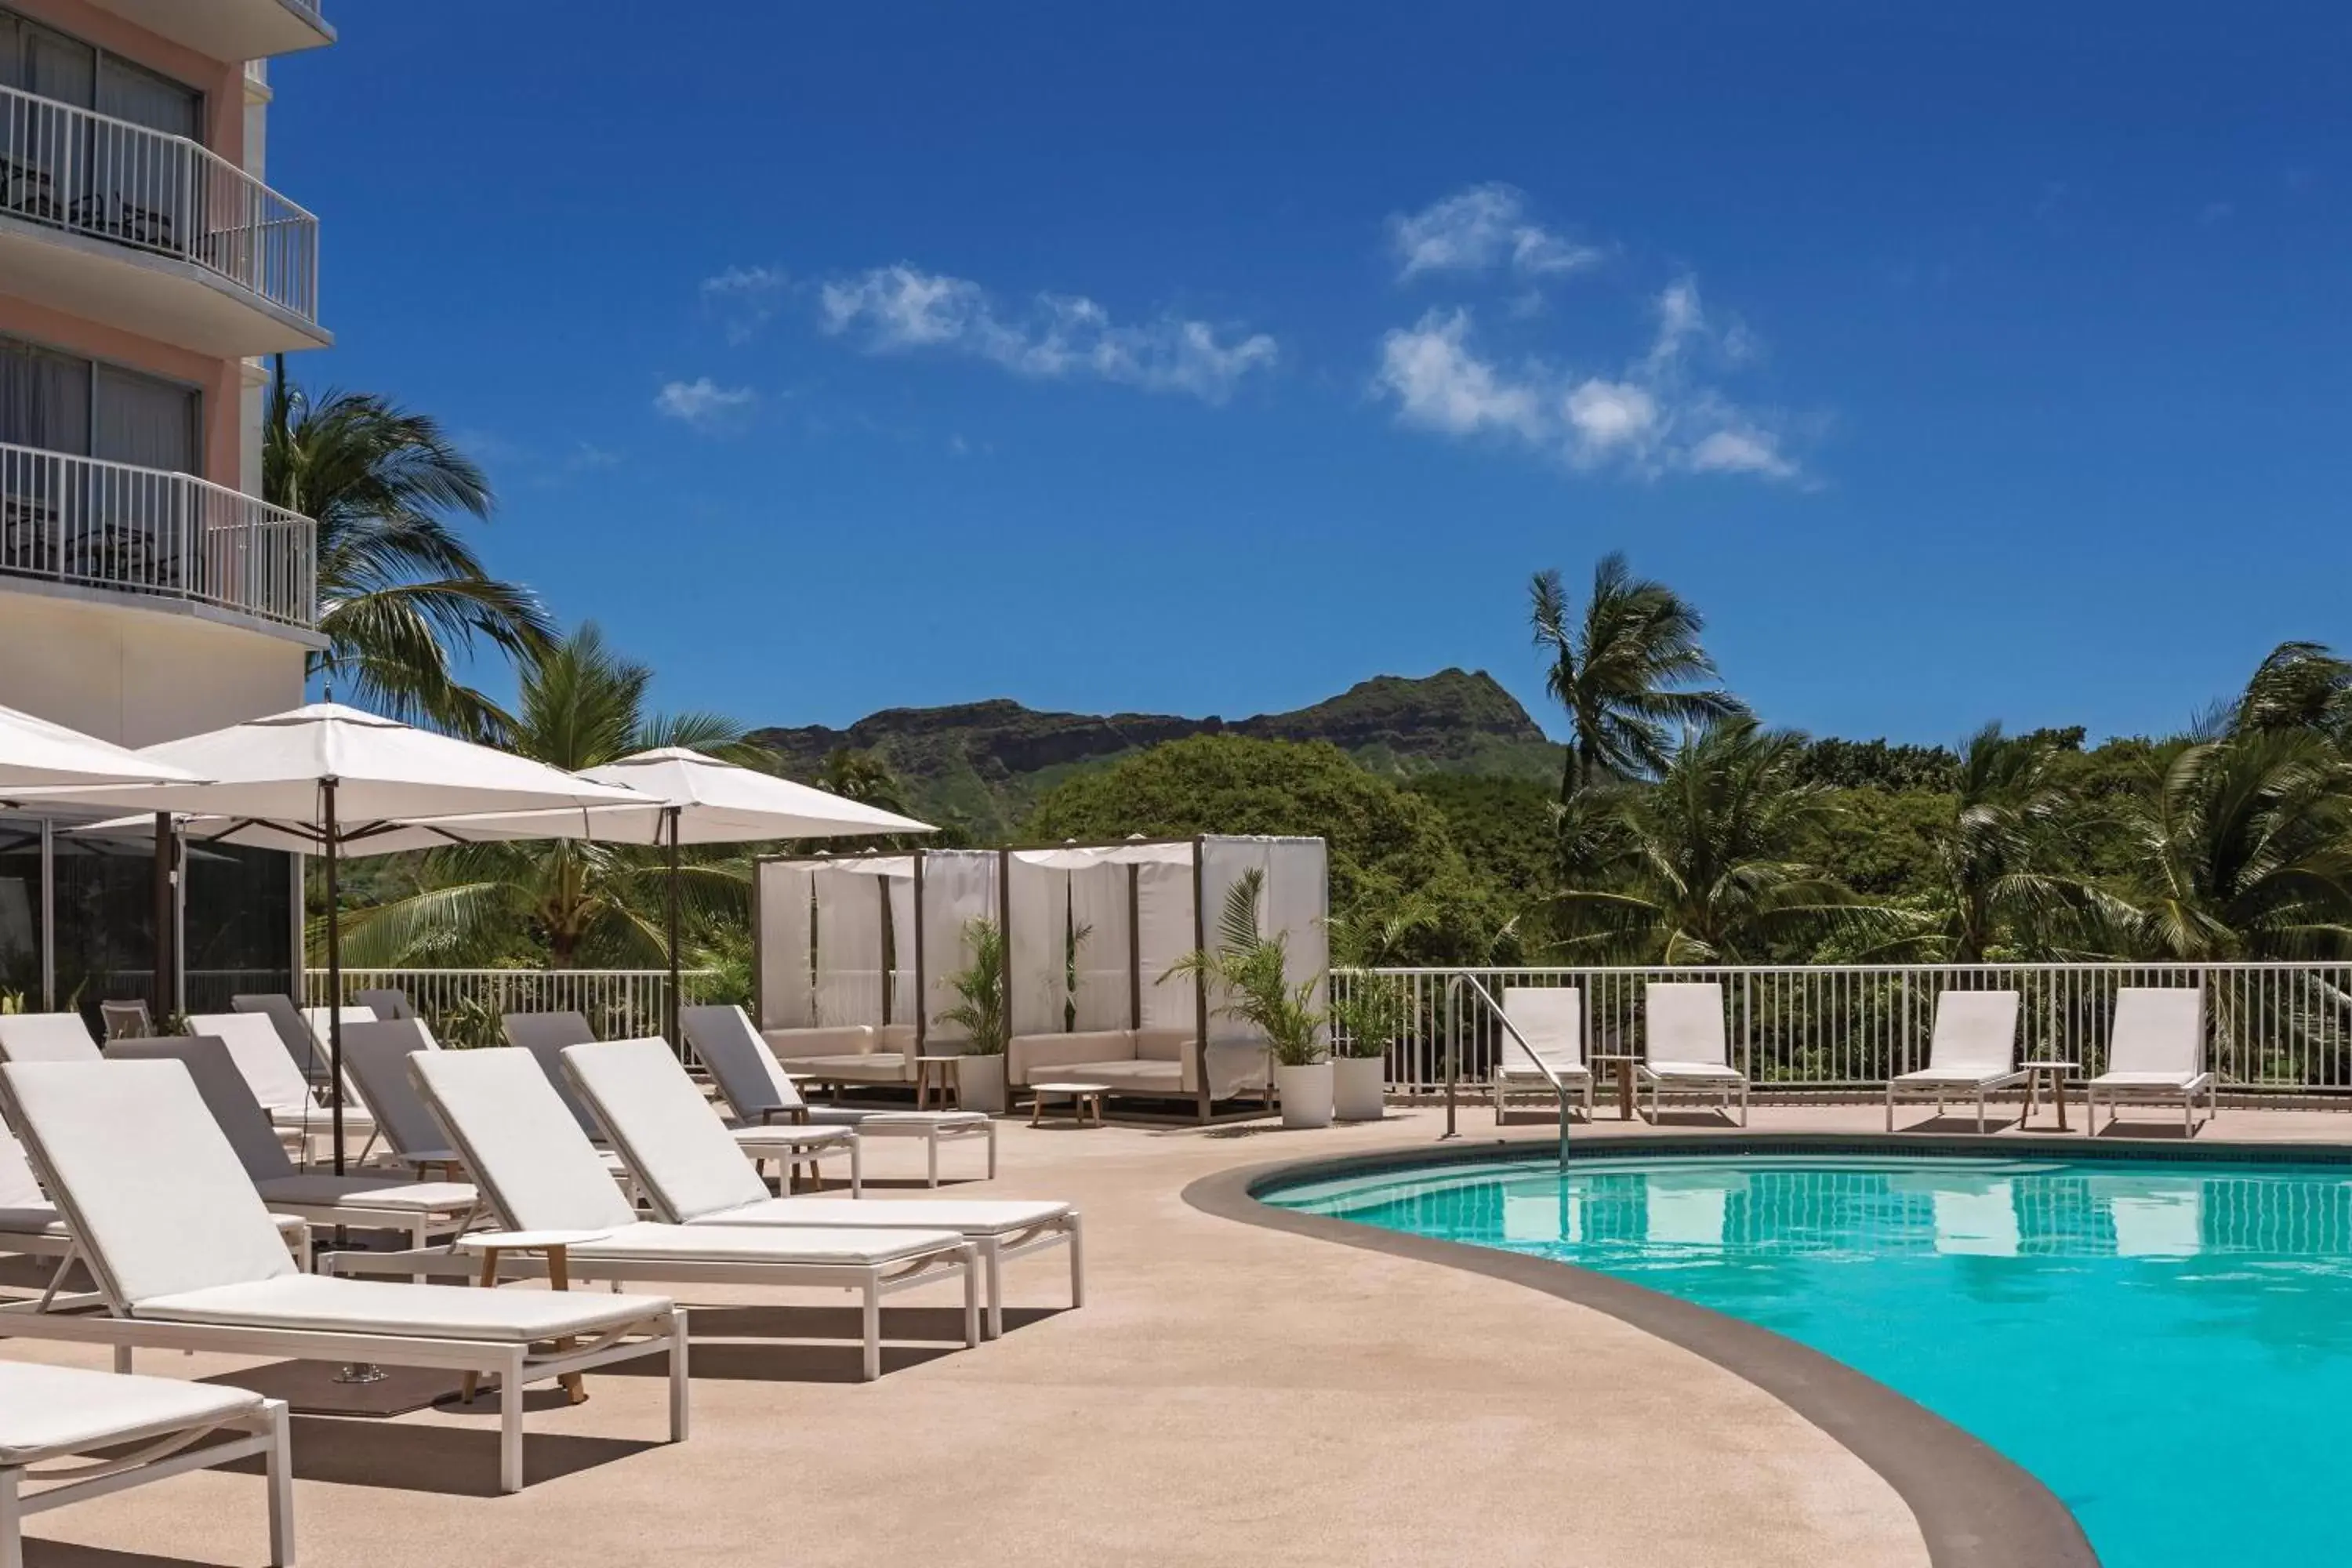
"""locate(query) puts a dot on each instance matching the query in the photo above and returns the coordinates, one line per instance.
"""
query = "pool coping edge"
(1975, 1506)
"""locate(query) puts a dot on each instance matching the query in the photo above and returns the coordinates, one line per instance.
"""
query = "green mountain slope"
(981, 765)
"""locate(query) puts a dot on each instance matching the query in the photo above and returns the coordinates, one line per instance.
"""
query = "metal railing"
(2270, 1028)
(91, 173)
(146, 531)
(464, 1006)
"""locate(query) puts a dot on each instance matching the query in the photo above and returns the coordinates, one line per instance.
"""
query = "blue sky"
(1991, 362)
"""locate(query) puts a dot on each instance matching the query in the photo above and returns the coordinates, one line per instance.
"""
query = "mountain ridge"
(982, 764)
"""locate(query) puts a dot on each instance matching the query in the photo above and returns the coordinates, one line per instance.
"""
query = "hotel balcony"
(229, 29)
(152, 233)
(123, 530)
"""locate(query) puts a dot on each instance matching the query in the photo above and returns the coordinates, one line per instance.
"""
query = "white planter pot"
(1360, 1087)
(980, 1084)
(1306, 1094)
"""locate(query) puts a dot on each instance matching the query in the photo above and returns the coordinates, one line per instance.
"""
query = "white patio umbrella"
(688, 797)
(327, 777)
(38, 755)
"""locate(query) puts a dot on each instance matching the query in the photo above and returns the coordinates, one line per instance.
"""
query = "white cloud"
(1058, 337)
(1440, 384)
(1654, 418)
(1480, 228)
(746, 297)
(700, 401)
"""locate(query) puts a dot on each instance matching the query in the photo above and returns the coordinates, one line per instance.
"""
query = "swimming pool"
(2168, 1346)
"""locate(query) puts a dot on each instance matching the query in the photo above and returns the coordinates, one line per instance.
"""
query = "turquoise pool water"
(2166, 1346)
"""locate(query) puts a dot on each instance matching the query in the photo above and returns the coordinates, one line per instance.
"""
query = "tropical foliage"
(580, 706)
(1249, 971)
(981, 1010)
(402, 597)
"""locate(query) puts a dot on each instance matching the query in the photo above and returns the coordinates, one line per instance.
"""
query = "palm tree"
(1624, 673)
(2248, 850)
(2000, 845)
(580, 706)
(402, 597)
(862, 776)
(1704, 872)
(2299, 686)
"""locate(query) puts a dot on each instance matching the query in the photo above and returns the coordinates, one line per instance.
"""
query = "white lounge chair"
(389, 1006)
(186, 1258)
(376, 1055)
(1684, 1046)
(46, 1038)
(693, 1174)
(419, 1210)
(1547, 1027)
(126, 1020)
(293, 1029)
(538, 1172)
(546, 1036)
(2155, 1052)
(261, 1058)
(1972, 1050)
(759, 1092)
(51, 1415)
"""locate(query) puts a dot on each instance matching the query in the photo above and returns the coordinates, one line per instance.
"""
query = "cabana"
(1090, 932)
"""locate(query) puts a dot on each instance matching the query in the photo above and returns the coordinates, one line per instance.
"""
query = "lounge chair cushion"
(546, 1036)
(376, 1056)
(872, 1066)
(337, 1305)
(2157, 1029)
(1957, 1078)
(1975, 1032)
(520, 1142)
(739, 1061)
(320, 1191)
(2147, 1080)
(966, 1216)
(1683, 1024)
(32, 1220)
(260, 1056)
(832, 1040)
(59, 1410)
(1550, 1022)
(1691, 1070)
(762, 1244)
(46, 1038)
(153, 1189)
(19, 1186)
(672, 1137)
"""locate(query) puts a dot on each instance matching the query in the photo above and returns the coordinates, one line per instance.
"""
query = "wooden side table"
(2056, 1072)
(1622, 1069)
(942, 1075)
(556, 1244)
(1083, 1098)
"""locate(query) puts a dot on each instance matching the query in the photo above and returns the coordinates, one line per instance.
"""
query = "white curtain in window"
(44, 399)
(145, 421)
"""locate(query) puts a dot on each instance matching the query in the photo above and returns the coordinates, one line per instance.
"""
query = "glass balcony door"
(89, 174)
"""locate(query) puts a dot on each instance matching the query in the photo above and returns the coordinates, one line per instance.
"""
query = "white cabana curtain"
(1224, 863)
(1037, 946)
(903, 1000)
(958, 886)
(849, 905)
(1100, 908)
(1164, 933)
(1297, 908)
(787, 988)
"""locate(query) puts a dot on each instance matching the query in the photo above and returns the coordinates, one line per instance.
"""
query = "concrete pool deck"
(1232, 1394)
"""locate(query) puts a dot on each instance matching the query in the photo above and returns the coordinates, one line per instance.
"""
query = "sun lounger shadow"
(40, 1554)
(456, 1461)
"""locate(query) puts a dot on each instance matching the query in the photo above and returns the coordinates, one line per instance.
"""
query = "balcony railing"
(93, 175)
(143, 531)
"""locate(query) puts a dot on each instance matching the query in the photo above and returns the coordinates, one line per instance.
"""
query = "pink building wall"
(220, 380)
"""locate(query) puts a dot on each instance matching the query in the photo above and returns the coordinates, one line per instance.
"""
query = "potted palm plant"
(982, 1017)
(1367, 1018)
(1250, 972)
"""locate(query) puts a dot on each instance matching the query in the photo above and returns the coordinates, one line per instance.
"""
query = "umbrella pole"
(334, 970)
(675, 1043)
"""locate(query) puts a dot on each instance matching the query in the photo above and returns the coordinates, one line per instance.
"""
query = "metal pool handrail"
(1461, 978)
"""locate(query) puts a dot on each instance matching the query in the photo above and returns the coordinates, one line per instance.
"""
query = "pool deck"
(1231, 1393)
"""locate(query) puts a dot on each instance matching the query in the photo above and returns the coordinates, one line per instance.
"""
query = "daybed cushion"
(966, 1216)
(337, 1305)
(870, 1067)
(70, 1410)
(1041, 1058)
(1165, 1080)
(832, 1040)
(716, 1243)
